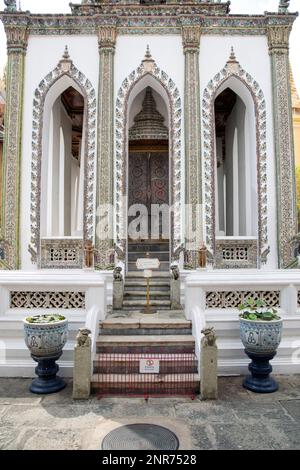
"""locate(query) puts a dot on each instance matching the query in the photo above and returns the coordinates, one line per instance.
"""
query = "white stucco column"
(80, 194)
(54, 175)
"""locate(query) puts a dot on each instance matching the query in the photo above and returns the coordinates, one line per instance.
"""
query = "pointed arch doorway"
(148, 181)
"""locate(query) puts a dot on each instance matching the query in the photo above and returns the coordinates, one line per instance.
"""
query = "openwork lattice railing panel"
(61, 253)
(47, 300)
(232, 299)
(236, 253)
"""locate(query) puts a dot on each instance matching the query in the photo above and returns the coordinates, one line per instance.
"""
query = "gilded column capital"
(278, 39)
(17, 31)
(17, 39)
(107, 37)
(191, 38)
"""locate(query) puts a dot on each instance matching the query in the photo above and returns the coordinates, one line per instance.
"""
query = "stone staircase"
(135, 291)
(124, 341)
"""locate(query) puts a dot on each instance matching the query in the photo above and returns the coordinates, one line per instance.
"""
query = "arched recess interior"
(54, 203)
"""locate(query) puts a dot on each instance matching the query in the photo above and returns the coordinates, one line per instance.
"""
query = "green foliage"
(45, 318)
(257, 310)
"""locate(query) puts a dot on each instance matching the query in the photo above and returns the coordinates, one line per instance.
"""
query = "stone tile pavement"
(238, 420)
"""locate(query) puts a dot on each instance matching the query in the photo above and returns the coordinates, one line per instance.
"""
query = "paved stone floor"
(238, 420)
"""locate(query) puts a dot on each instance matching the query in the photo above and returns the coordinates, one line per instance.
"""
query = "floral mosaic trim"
(138, 9)
(234, 69)
(139, 19)
(64, 67)
(148, 67)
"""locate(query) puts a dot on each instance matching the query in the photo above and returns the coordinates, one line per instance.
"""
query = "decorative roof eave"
(127, 22)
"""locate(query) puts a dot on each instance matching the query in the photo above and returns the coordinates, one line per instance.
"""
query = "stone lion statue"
(209, 338)
(117, 274)
(82, 338)
(175, 272)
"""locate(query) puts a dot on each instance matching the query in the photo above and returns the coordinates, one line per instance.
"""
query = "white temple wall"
(252, 53)
(42, 56)
(65, 187)
(238, 179)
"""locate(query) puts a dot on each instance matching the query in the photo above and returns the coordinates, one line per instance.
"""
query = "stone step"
(130, 363)
(154, 284)
(129, 327)
(140, 309)
(143, 303)
(135, 289)
(161, 255)
(139, 275)
(145, 322)
(146, 344)
(160, 313)
(165, 384)
(141, 294)
(146, 331)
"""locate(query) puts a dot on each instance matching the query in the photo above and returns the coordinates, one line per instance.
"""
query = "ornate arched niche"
(254, 252)
(148, 68)
(48, 256)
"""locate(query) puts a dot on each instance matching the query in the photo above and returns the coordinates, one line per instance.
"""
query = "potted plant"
(45, 337)
(260, 330)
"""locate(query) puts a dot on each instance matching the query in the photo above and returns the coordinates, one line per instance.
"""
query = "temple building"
(159, 129)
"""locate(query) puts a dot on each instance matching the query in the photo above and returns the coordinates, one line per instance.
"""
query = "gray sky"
(237, 6)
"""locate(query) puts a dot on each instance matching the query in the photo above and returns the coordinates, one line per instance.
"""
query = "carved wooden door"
(148, 182)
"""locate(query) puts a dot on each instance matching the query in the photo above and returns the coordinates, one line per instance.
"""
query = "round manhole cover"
(140, 437)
